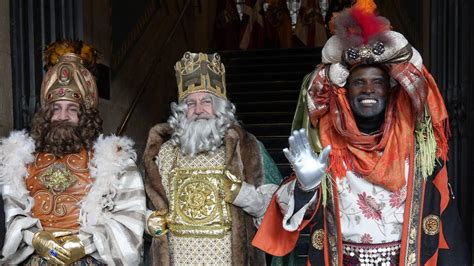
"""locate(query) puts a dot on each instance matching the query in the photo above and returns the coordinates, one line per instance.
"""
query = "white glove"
(309, 168)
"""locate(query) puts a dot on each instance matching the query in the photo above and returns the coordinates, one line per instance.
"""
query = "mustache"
(200, 117)
(62, 138)
(55, 124)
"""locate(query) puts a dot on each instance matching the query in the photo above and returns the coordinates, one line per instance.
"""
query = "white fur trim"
(16, 152)
(112, 155)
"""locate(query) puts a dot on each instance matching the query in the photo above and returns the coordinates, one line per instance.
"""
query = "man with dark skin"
(368, 89)
(378, 193)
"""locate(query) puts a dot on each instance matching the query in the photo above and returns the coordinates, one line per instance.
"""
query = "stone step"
(267, 106)
(275, 95)
(276, 59)
(304, 67)
(269, 52)
(274, 142)
(269, 129)
(278, 156)
(277, 84)
(283, 74)
(285, 169)
(267, 117)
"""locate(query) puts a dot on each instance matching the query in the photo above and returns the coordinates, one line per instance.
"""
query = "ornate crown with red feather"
(363, 37)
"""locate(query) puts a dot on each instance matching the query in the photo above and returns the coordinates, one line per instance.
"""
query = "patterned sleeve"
(286, 201)
(113, 218)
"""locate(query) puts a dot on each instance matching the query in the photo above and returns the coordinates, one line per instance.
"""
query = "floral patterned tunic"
(369, 213)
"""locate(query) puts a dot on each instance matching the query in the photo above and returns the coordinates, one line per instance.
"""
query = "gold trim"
(431, 224)
(414, 220)
(332, 225)
(317, 239)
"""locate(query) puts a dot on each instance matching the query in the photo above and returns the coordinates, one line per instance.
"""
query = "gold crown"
(69, 80)
(199, 72)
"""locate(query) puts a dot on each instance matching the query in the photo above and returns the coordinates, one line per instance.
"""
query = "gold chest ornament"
(197, 206)
(57, 178)
(57, 185)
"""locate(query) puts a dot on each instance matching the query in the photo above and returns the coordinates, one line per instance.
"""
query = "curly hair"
(199, 136)
(62, 138)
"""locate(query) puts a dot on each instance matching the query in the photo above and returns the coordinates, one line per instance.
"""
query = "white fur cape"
(112, 214)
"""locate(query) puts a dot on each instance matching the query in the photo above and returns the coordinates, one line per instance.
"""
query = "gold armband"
(232, 186)
(157, 223)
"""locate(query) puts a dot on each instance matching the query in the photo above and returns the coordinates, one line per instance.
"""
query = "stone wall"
(194, 33)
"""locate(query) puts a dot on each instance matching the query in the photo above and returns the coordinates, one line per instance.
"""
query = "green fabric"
(301, 117)
(272, 174)
(301, 120)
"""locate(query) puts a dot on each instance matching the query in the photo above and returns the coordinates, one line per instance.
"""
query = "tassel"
(425, 137)
(442, 134)
(337, 159)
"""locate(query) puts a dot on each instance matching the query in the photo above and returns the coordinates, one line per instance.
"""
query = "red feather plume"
(369, 23)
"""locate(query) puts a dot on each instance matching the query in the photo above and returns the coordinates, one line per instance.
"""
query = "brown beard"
(62, 138)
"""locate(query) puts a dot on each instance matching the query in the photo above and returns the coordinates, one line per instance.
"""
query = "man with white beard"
(205, 175)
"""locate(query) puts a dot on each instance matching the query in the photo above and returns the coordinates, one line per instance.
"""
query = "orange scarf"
(380, 157)
(365, 154)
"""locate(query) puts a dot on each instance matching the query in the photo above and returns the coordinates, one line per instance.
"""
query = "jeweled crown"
(199, 72)
(69, 80)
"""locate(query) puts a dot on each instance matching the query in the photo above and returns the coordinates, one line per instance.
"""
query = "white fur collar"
(16, 152)
(112, 155)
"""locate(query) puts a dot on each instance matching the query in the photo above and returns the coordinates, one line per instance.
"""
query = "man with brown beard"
(205, 175)
(72, 196)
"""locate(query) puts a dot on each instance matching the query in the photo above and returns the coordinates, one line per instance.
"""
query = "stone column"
(6, 108)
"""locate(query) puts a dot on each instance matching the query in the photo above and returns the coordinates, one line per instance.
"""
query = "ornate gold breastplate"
(197, 206)
(57, 186)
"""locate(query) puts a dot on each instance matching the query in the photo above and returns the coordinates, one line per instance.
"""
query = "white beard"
(201, 136)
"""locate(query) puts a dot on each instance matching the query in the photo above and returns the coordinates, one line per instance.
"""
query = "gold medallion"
(431, 224)
(197, 200)
(317, 239)
(57, 178)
